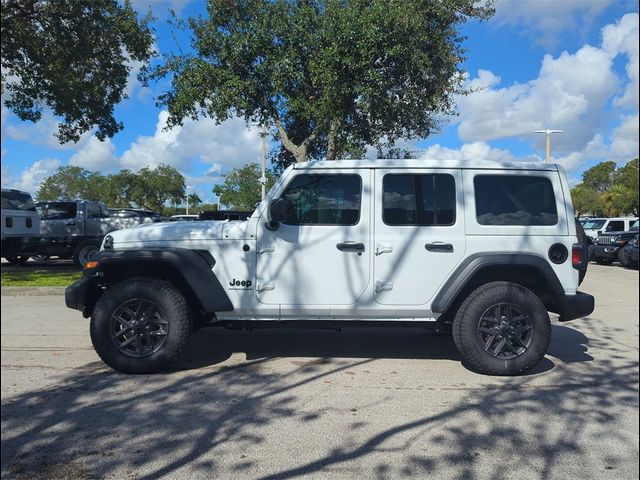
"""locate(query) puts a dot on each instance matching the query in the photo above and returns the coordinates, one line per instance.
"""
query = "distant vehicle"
(129, 217)
(19, 219)
(609, 246)
(184, 218)
(224, 215)
(68, 229)
(594, 226)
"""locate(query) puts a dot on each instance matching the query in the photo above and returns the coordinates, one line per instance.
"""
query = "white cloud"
(475, 151)
(227, 145)
(624, 139)
(31, 177)
(95, 155)
(622, 38)
(42, 132)
(545, 20)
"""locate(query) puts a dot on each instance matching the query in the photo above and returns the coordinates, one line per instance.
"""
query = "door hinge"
(266, 249)
(383, 248)
(384, 286)
(262, 286)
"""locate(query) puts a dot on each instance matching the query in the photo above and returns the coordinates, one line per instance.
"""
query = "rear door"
(419, 235)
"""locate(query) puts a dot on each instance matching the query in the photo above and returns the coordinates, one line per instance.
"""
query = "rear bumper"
(605, 251)
(575, 306)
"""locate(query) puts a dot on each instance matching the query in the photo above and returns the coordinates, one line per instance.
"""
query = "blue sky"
(570, 65)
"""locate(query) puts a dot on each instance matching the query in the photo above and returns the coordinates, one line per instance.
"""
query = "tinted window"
(419, 199)
(59, 210)
(615, 226)
(324, 199)
(17, 201)
(514, 200)
(93, 210)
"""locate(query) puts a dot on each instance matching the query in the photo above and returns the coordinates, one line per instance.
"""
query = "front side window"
(615, 226)
(514, 200)
(59, 210)
(324, 199)
(425, 200)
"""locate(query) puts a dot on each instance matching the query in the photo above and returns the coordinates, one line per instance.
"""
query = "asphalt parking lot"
(374, 403)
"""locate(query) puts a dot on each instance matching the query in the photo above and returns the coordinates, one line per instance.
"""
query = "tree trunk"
(331, 141)
(299, 152)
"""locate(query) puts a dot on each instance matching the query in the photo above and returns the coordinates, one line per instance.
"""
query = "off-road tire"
(79, 257)
(17, 260)
(623, 258)
(468, 339)
(172, 303)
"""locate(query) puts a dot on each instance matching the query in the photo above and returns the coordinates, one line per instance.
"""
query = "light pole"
(187, 196)
(263, 178)
(548, 133)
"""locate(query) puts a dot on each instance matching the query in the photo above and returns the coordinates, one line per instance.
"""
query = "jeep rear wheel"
(140, 325)
(502, 329)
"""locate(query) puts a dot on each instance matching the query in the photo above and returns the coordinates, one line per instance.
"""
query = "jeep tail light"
(576, 255)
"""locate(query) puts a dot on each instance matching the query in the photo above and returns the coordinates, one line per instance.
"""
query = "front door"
(320, 255)
(418, 236)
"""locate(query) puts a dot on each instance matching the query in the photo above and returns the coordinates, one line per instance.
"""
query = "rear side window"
(514, 200)
(615, 226)
(59, 210)
(12, 200)
(424, 200)
(324, 199)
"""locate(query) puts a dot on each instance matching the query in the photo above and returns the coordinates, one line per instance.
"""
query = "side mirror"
(279, 211)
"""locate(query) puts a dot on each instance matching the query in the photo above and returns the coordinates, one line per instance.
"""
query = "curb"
(30, 291)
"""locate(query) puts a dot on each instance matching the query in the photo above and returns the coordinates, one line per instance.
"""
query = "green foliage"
(601, 177)
(73, 56)
(149, 188)
(607, 190)
(194, 200)
(71, 182)
(331, 75)
(241, 189)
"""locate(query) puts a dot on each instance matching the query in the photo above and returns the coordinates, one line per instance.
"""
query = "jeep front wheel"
(140, 325)
(502, 328)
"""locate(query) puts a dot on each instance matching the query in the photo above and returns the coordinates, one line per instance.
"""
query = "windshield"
(13, 200)
(635, 225)
(593, 224)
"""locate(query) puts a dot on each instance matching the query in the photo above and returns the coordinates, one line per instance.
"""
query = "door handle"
(350, 247)
(262, 286)
(70, 223)
(439, 247)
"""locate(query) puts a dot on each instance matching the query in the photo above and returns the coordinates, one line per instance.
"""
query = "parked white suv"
(488, 247)
(595, 226)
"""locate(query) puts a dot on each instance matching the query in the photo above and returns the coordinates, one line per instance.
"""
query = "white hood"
(180, 231)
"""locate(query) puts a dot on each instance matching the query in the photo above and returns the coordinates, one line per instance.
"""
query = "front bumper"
(575, 306)
(605, 251)
(82, 295)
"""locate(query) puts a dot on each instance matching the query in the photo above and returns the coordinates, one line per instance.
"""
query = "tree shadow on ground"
(94, 422)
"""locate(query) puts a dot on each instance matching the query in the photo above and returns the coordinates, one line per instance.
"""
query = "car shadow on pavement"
(210, 422)
(214, 345)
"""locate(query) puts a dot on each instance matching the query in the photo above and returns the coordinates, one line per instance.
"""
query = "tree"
(73, 56)
(71, 182)
(194, 200)
(327, 74)
(149, 188)
(627, 179)
(585, 200)
(601, 177)
(241, 189)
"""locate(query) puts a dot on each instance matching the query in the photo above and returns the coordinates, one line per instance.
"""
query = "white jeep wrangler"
(486, 248)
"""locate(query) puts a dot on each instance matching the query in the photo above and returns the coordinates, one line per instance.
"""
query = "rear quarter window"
(514, 200)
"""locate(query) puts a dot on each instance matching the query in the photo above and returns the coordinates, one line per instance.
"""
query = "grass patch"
(38, 278)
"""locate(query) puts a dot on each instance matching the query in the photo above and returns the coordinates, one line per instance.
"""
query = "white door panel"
(305, 266)
(412, 261)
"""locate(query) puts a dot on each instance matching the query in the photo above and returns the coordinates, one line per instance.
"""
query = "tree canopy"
(328, 75)
(149, 188)
(241, 189)
(73, 56)
(607, 190)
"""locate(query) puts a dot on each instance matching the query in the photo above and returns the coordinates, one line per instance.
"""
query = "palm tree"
(194, 199)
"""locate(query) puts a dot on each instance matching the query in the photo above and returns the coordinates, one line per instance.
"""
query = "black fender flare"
(472, 265)
(193, 269)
